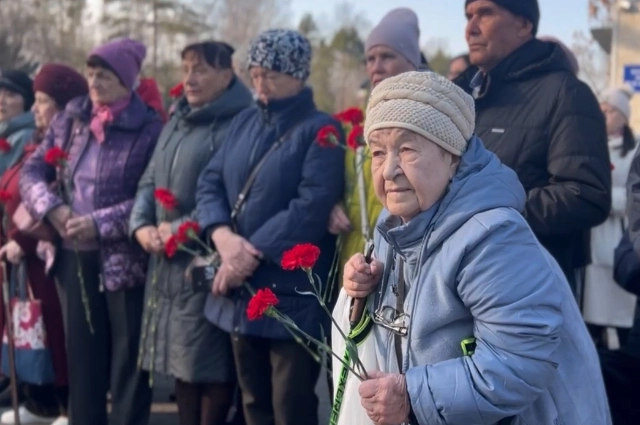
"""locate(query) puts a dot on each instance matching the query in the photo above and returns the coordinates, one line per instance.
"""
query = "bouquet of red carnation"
(263, 302)
(351, 120)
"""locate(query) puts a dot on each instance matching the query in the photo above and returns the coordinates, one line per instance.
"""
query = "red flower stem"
(145, 325)
(152, 304)
(291, 327)
(296, 337)
(154, 324)
(290, 324)
(83, 289)
(190, 251)
(333, 320)
(195, 237)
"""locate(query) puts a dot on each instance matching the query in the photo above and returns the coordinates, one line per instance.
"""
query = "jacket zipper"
(101, 274)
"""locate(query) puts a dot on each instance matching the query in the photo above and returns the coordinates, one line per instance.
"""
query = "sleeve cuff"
(423, 408)
(26, 243)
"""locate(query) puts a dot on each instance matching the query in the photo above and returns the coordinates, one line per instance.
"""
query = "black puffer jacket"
(545, 124)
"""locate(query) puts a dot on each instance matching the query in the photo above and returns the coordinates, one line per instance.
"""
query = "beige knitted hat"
(425, 103)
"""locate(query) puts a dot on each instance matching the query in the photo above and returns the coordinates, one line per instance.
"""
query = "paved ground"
(164, 412)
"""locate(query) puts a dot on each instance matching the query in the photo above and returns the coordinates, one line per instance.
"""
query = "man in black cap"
(544, 123)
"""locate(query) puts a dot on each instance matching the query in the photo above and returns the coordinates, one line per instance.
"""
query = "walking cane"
(358, 306)
(12, 344)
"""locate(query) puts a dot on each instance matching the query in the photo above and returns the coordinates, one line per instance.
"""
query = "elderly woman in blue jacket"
(475, 321)
(289, 203)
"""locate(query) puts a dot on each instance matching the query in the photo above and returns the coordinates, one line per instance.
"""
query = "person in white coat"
(606, 304)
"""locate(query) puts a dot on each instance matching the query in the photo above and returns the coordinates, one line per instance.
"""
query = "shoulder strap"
(254, 173)
(397, 339)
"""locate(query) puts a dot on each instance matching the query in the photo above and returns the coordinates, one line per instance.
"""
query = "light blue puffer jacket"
(475, 269)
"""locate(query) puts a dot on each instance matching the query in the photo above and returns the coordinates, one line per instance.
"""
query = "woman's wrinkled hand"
(165, 231)
(226, 279)
(338, 221)
(384, 397)
(360, 278)
(149, 239)
(236, 253)
(12, 252)
(82, 228)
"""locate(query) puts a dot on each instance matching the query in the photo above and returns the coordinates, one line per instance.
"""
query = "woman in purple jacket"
(109, 137)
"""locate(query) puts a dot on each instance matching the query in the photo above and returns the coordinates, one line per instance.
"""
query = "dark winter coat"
(289, 204)
(185, 344)
(545, 124)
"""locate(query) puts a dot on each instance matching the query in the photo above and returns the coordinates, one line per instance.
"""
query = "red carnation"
(188, 230)
(5, 196)
(612, 167)
(171, 247)
(303, 255)
(260, 303)
(328, 136)
(5, 146)
(353, 116)
(356, 137)
(165, 198)
(177, 90)
(56, 157)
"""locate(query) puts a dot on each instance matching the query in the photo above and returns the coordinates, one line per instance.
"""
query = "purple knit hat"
(124, 56)
(398, 29)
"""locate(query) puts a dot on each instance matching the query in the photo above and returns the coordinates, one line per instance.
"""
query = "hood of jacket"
(150, 94)
(533, 58)
(23, 121)
(233, 100)
(135, 116)
(481, 183)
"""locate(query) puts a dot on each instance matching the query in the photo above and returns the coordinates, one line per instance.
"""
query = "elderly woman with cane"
(475, 322)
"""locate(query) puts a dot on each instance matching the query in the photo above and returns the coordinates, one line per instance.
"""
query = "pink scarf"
(103, 115)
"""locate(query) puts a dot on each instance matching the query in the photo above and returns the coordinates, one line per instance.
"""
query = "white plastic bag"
(348, 410)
